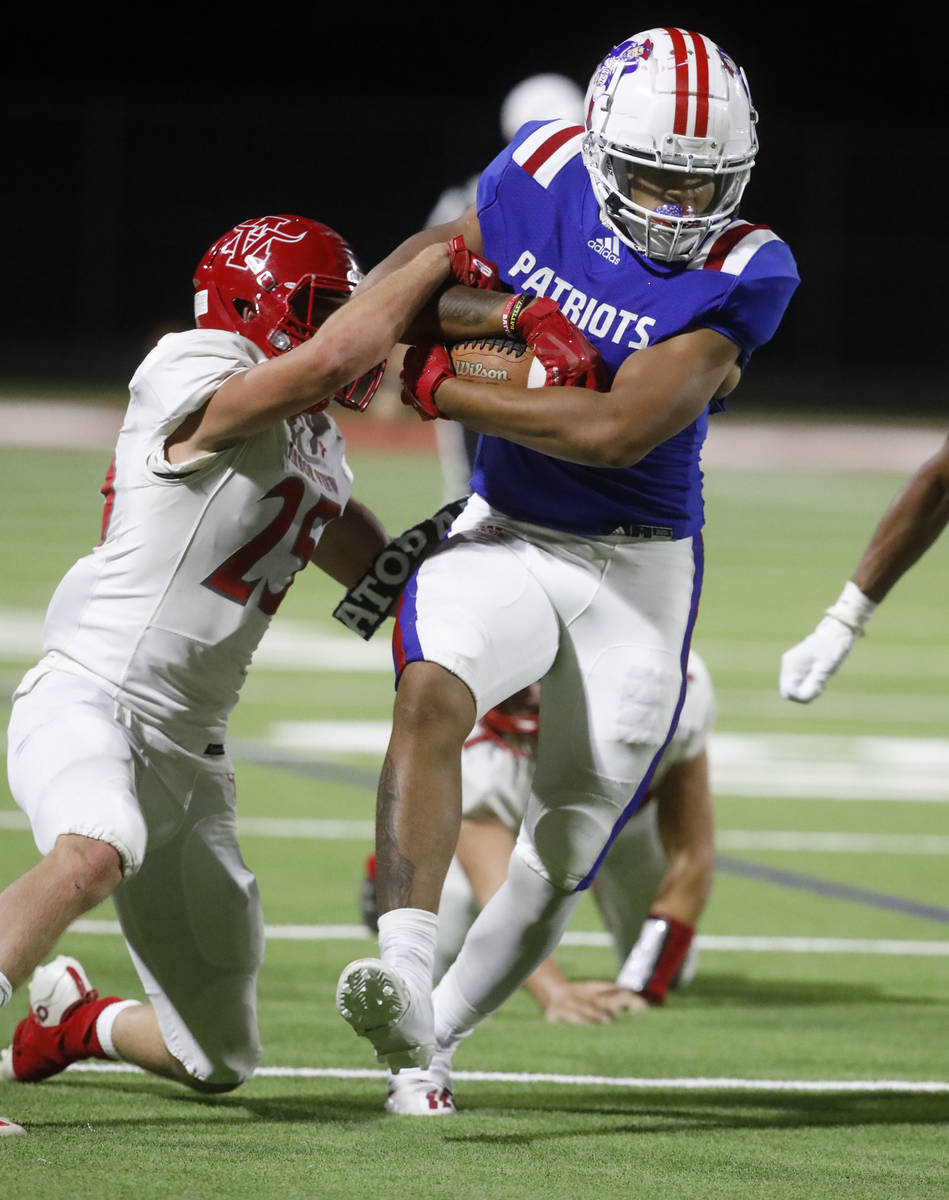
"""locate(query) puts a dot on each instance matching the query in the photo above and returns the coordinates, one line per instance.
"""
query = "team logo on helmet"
(627, 56)
(251, 241)
(727, 62)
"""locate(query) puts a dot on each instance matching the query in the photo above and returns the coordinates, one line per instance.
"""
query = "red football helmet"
(275, 280)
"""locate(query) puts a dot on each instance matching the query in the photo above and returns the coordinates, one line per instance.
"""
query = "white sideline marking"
(698, 1083)
(786, 766)
(704, 941)
(831, 843)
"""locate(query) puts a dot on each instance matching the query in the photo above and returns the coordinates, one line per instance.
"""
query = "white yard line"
(672, 1083)
(897, 948)
(790, 840)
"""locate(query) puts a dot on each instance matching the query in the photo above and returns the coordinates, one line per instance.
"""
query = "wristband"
(512, 310)
(852, 608)
(659, 952)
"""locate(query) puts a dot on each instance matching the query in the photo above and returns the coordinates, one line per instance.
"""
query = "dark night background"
(116, 180)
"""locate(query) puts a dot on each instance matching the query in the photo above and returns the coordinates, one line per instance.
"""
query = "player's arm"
(455, 313)
(484, 848)
(907, 529)
(350, 543)
(350, 342)
(656, 393)
(686, 830)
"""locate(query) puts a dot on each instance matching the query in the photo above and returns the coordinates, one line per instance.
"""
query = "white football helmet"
(670, 99)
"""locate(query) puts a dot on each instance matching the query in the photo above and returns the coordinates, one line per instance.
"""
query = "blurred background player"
(578, 560)
(911, 524)
(536, 98)
(653, 884)
(228, 478)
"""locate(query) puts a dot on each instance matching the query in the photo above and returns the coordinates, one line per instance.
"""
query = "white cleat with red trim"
(10, 1128)
(422, 1093)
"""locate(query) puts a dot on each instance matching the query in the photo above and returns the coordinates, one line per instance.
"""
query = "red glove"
(471, 270)
(570, 360)
(424, 368)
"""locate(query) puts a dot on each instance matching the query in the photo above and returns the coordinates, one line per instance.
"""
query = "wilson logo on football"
(477, 370)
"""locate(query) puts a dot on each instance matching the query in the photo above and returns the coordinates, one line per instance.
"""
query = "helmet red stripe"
(701, 85)
(550, 146)
(681, 122)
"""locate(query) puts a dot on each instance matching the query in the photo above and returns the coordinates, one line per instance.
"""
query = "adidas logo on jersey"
(606, 247)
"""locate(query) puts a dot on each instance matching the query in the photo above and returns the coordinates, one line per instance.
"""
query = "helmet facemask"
(291, 313)
(668, 231)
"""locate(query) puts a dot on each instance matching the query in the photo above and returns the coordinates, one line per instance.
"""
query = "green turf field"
(810, 1056)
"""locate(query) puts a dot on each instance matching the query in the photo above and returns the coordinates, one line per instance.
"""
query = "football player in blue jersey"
(907, 529)
(578, 558)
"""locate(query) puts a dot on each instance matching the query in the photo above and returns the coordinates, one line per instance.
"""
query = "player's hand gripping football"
(570, 360)
(425, 367)
(471, 270)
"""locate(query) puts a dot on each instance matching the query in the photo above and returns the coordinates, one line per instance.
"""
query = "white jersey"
(496, 773)
(166, 612)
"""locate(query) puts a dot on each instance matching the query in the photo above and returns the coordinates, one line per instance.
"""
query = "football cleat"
(61, 1026)
(375, 1001)
(10, 1128)
(419, 1095)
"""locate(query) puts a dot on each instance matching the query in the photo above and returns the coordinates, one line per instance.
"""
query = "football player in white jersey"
(228, 477)
(578, 561)
(911, 524)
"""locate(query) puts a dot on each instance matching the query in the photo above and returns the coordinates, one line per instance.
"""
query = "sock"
(407, 943)
(6, 990)
(104, 1023)
(517, 929)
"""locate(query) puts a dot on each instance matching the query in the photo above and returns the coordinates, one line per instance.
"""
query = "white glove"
(806, 667)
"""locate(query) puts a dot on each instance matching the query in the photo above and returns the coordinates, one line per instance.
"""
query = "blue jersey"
(541, 224)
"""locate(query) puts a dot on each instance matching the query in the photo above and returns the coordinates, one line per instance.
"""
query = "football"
(497, 360)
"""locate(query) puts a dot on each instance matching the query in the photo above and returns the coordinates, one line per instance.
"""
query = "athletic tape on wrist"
(852, 608)
(652, 963)
(368, 602)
